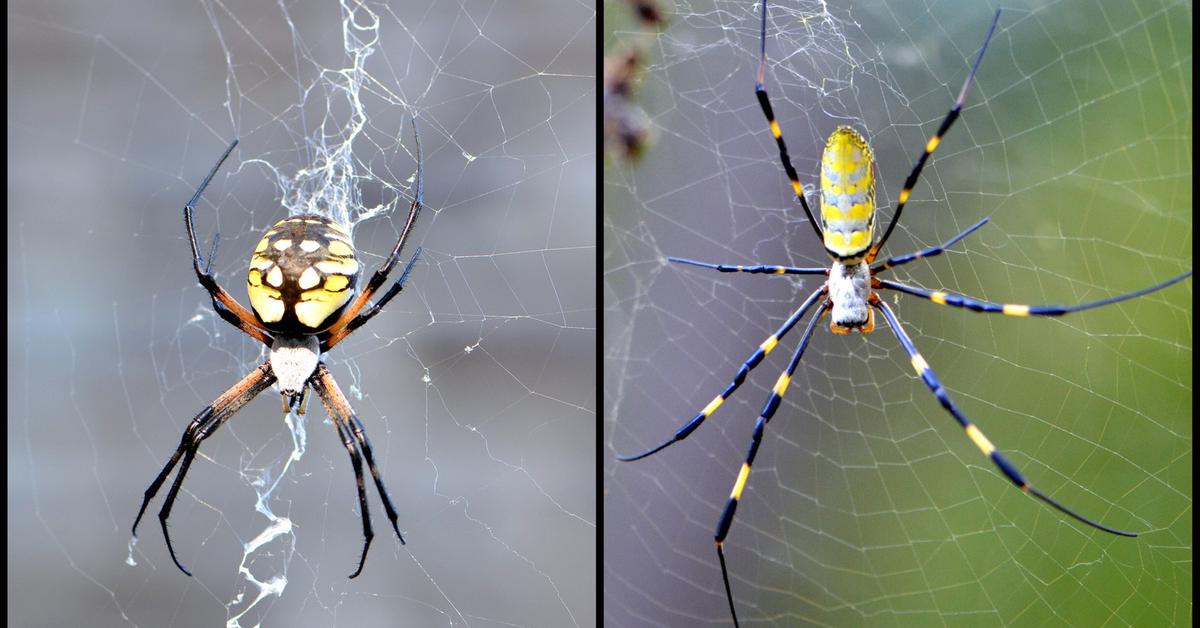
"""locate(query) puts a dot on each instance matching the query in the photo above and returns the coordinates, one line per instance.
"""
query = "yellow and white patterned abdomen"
(302, 275)
(847, 195)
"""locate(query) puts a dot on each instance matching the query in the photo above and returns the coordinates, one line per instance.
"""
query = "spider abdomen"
(302, 275)
(847, 194)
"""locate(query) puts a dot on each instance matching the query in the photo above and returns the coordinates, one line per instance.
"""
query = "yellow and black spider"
(303, 286)
(849, 296)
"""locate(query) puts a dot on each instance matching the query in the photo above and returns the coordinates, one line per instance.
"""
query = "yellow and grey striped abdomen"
(847, 194)
(302, 275)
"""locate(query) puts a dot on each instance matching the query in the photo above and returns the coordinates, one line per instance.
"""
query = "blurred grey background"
(476, 385)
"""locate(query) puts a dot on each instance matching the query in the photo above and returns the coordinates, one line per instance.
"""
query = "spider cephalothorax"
(303, 285)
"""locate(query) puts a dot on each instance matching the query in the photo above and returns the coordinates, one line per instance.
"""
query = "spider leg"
(381, 275)
(202, 426)
(370, 312)
(354, 438)
(225, 305)
(189, 455)
(764, 101)
(360, 434)
(900, 260)
(1010, 309)
(754, 270)
(250, 330)
(985, 446)
(933, 143)
(754, 360)
(356, 462)
(760, 426)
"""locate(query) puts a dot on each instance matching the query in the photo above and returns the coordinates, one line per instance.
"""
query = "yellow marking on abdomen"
(1016, 310)
(768, 344)
(858, 240)
(266, 303)
(980, 440)
(316, 306)
(775, 129)
(938, 297)
(336, 283)
(741, 482)
(858, 212)
(782, 384)
(933, 144)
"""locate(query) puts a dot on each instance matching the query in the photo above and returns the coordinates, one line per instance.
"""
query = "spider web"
(866, 505)
(476, 384)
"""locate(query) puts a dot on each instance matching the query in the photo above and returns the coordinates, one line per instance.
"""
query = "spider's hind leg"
(202, 426)
(354, 439)
(984, 445)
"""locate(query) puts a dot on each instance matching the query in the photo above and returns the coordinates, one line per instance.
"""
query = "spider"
(303, 287)
(849, 294)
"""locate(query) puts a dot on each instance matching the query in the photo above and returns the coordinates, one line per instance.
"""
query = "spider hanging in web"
(850, 295)
(303, 287)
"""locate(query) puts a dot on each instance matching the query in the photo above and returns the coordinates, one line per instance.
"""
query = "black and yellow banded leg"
(760, 427)
(764, 101)
(933, 143)
(754, 360)
(760, 269)
(985, 446)
(1012, 309)
(900, 260)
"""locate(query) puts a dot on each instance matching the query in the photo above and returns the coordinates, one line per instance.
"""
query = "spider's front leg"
(351, 318)
(358, 321)
(225, 305)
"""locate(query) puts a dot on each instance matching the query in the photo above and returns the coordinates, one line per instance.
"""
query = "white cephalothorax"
(293, 359)
(849, 287)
